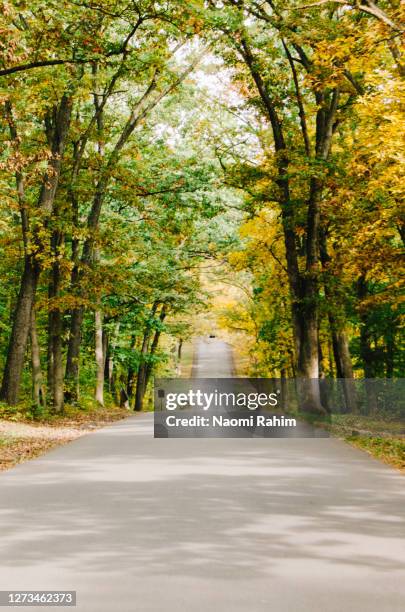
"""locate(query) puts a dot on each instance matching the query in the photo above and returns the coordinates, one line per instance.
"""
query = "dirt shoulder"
(21, 440)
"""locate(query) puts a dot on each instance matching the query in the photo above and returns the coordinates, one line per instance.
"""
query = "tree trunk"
(19, 334)
(38, 391)
(131, 373)
(110, 357)
(344, 368)
(336, 348)
(154, 345)
(106, 348)
(55, 328)
(22, 314)
(179, 354)
(141, 375)
(342, 354)
(57, 378)
(366, 351)
(340, 342)
(303, 287)
(57, 128)
(73, 355)
(98, 317)
(390, 352)
(308, 355)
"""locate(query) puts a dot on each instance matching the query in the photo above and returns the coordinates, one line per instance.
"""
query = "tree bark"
(342, 354)
(19, 335)
(57, 364)
(154, 346)
(55, 328)
(38, 390)
(73, 355)
(57, 128)
(340, 342)
(99, 352)
(303, 285)
(389, 352)
(110, 360)
(132, 373)
(141, 375)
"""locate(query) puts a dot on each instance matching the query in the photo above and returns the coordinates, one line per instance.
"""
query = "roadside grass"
(358, 424)
(382, 438)
(389, 450)
(24, 436)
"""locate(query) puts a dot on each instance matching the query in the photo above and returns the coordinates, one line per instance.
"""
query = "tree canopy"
(140, 140)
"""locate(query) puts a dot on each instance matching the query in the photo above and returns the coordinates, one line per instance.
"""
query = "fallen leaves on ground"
(20, 441)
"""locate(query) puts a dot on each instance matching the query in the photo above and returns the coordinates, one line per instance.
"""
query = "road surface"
(212, 359)
(135, 524)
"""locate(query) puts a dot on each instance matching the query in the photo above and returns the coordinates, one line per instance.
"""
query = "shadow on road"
(219, 510)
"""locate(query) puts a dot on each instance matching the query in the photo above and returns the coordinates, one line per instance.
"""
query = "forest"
(145, 144)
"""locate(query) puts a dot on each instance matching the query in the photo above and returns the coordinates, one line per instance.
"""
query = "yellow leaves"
(264, 221)
(235, 316)
(330, 59)
(237, 260)
(338, 50)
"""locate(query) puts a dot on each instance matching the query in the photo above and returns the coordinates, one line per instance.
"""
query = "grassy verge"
(22, 437)
(381, 438)
(389, 450)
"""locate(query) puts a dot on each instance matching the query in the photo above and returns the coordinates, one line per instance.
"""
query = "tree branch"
(301, 109)
(369, 7)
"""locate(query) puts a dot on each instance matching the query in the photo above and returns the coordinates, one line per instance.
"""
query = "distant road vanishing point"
(213, 358)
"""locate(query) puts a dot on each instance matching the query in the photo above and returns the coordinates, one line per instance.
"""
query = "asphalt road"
(212, 359)
(135, 524)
